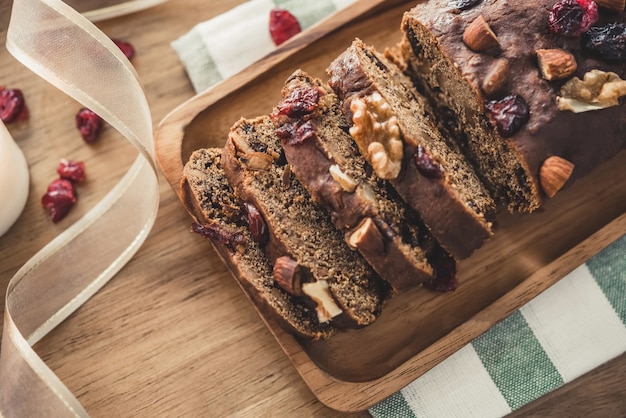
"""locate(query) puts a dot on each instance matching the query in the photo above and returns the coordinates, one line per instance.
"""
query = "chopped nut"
(556, 64)
(597, 90)
(377, 134)
(617, 5)
(241, 145)
(368, 194)
(259, 161)
(326, 308)
(253, 159)
(497, 77)
(479, 37)
(554, 173)
(366, 237)
(286, 177)
(347, 183)
(288, 275)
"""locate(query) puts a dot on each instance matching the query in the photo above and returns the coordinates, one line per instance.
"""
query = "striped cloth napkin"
(568, 330)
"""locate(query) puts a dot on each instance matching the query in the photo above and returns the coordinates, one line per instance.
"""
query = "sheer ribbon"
(65, 49)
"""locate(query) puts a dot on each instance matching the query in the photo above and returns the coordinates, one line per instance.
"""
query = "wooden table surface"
(160, 339)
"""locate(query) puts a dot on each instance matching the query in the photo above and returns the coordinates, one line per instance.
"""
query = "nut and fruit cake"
(393, 127)
(221, 217)
(532, 91)
(327, 162)
(301, 234)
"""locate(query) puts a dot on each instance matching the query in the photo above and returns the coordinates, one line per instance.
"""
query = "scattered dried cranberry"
(12, 105)
(608, 41)
(214, 232)
(256, 224)
(59, 199)
(464, 4)
(572, 17)
(446, 279)
(89, 124)
(508, 115)
(300, 101)
(283, 25)
(427, 165)
(73, 171)
(296, 132)
(127, 48)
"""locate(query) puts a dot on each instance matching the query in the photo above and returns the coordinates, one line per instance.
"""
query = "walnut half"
(597, 90)
(377, 134)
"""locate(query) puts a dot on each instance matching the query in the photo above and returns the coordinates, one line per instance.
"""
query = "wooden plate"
(417, 330)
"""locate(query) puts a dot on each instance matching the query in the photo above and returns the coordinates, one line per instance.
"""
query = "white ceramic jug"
(14, 180)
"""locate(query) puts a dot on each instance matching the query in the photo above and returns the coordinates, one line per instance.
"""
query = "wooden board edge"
(353, 397)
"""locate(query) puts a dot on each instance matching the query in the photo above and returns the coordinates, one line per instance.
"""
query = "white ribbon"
(65, 49)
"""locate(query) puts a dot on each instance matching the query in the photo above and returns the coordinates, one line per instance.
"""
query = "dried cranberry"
(12, 105)
(73, 171)
(295, 133)
(572, 17)
(283, 25)
(608, 41)
(214, 232)
(427, 165)
(446, 278)
(464, 4)
(256, 224)
(59, 199)
(126, 47)
(508, 114)
(89, 124)
(300, 101)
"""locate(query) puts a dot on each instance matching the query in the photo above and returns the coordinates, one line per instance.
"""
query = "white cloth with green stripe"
(220, 47)
(573, 327)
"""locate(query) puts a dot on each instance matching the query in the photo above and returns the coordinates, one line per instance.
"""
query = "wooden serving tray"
(418, 329)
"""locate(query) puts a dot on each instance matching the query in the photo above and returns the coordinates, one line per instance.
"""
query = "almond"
(326, 307)
(288, 275)
(554, 173)
(366, 237)
(347, 183)
(555, 64)
(478, 36)
(617, 5)
(497, 77)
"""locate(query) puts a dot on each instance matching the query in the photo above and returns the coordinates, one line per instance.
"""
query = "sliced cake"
(393, 128)
(530, 90)
(389, 235)
(220, 217)
(300, 233)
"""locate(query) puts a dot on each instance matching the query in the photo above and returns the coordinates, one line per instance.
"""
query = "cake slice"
(219, 216)
(392, 125)
(299, 231)
(504, 75)
(389, 235)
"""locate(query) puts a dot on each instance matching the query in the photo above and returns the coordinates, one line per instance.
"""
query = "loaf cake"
(530, 90)
(299, 230)
(429, 172)
(400, 161)
(218, 215)
(388, 234)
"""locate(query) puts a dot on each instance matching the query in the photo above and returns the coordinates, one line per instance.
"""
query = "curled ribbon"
(65, 49)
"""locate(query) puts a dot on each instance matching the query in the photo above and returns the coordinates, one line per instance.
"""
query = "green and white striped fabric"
(573, 327)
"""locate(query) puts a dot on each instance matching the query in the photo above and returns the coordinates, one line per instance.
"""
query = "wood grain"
(171, 334)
